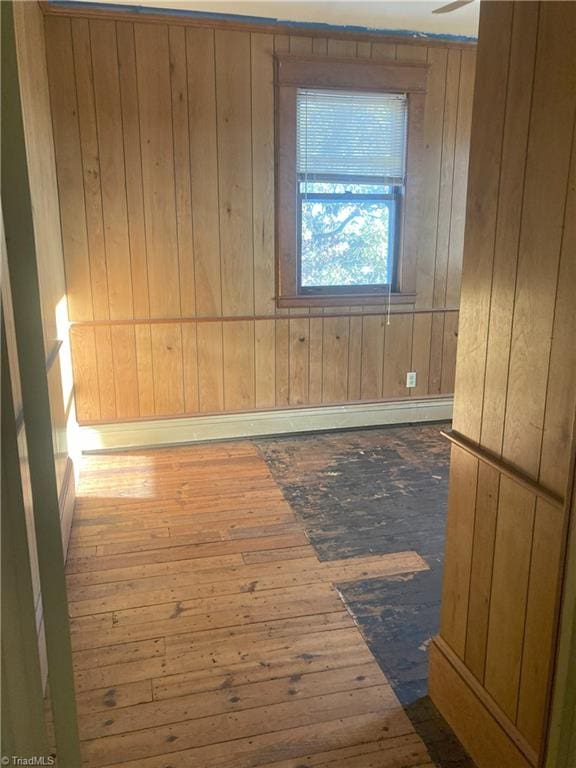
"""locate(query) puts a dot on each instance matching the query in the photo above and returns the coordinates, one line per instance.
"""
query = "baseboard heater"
(233, 426)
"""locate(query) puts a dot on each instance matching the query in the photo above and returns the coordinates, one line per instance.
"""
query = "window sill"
(345, 300)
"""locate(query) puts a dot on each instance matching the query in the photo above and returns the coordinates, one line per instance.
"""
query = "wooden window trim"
(344, 299)
(293, 72)
(351, 73)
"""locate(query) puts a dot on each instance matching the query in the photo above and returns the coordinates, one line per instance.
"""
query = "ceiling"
(413, 15)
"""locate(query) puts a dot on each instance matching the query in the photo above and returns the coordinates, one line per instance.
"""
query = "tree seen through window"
(346, 235)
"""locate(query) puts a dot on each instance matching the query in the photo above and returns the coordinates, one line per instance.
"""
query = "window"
(351, 149)
(344, 186)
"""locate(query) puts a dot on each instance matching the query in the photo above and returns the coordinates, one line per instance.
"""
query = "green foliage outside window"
(346, 235)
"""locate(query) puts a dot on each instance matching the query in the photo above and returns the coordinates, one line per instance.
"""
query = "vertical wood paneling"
(459, 541)
(481, 570)
(355, 359)
(449, 129)
(299, 360)
(167, 366)
(342, 48)
(190, 367)
(335, 359)
(449, 347)
(89, 146)
(85, 364)
(460, 177)
(300, 46)
(561, 396)
(373, 330)
(411, 53)
(397, 355)
(414, 166)
(262, 94)
(319, 46)
(443, 228)
(156, 143)
(549, 149)
(414, 190)
(383, 51)
(179, 83)
(265, 363)
(282, 363)
(204, 158)
(538, 644)
(281, 43)
(436, 353)
(286, 193)
(61, 77)
(133, 163)
(239, 388)
(233, 74)
(421, 336)
(509, 594)
(431, 164)
(210, 367)
(144, 368)
(513, 163)
(316, 357)
(125, 371)
(112, 175)
(484, 175)
(105, 368)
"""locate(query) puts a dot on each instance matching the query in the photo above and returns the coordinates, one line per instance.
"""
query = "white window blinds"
(352, 134)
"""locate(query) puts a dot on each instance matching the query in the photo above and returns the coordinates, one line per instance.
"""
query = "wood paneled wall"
(516, 372)
(164, 140)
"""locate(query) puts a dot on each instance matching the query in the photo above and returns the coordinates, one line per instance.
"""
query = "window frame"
(294, 72)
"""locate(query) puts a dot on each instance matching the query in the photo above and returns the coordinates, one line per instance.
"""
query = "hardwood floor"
(206, 631)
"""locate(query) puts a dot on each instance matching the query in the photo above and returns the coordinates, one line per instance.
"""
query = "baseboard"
(229, 426)
(490, 741)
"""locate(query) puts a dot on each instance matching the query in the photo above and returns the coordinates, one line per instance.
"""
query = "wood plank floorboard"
(206, 631)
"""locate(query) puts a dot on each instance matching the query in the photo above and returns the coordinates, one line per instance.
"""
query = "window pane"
(346, 242)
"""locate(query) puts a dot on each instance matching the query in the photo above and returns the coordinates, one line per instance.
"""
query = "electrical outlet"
(411, 379)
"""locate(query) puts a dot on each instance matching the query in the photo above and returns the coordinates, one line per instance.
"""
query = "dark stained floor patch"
(369, 491)
(398, 618)
(377, 491)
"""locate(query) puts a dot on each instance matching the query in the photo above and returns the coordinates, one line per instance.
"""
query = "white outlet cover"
(411, 379)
